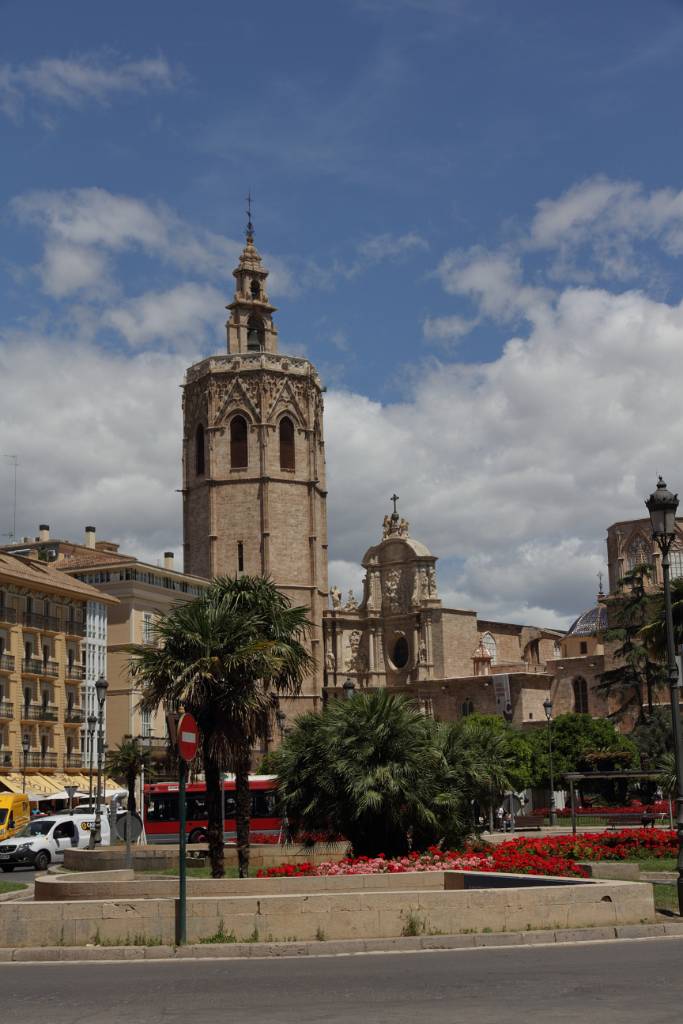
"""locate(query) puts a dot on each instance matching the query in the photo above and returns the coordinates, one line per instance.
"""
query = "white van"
(43, 841)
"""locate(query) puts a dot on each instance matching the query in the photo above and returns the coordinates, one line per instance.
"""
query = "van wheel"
(8, 867)
(198, 835)
(42, 861)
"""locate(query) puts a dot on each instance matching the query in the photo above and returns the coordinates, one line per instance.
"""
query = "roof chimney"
(168, 559)
(90, 536)
(43, 532)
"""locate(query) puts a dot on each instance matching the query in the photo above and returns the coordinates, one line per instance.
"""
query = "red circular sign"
(188, 737)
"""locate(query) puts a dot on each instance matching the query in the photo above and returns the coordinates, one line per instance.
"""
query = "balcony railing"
(73, 760)
(32, 665)
(5, 758)
(7, 614)
(50, 668)
(39, 712)
(33, 619)
(156, 745)
(74, 716)
(36, 759)
(6, 709)
(74, 627)
(75, 671)
(6, 662)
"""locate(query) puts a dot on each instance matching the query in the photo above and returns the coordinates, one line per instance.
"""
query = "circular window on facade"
(401, 653)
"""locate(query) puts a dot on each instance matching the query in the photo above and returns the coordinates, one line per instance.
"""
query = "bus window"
(262, 804)
(230, 805)
(196, 806)
(163, 807)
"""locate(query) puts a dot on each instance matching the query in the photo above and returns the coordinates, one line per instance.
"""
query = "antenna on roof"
(14, 459)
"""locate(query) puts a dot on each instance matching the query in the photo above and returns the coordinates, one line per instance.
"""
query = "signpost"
(187, 742)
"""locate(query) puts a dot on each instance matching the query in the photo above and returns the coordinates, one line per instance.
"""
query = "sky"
(472, 211)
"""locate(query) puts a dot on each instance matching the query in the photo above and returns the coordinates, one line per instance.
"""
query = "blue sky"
(472, 212)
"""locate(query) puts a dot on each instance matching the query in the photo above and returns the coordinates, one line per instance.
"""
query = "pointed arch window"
(239, 450)
(255, 334)
(489, 644)
(580, 687)
(287, 453)
(199, 451)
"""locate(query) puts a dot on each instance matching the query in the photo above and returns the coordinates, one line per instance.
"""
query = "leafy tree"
(226, 657)
(371, 769)
(654, 736)
(653, 634)
(127, 761)
(635, 681)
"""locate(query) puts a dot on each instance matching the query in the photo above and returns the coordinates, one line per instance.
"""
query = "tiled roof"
(589, 623)
(90, 560)
(43, 576)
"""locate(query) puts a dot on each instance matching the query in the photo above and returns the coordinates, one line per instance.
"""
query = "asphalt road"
(25, 875)
(604, 983)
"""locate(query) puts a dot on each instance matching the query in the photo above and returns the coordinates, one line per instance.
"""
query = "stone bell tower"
(254, 496)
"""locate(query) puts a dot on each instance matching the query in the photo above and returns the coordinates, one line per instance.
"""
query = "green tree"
(227, 657)
(127, 761)
(634, 682)
(653, 633)
(372, 770)
(654, 736)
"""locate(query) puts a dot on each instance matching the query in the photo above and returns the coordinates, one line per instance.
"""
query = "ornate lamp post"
(101, 690)
(662, 505)
(548, 708)
(25, 747)
(89, 751)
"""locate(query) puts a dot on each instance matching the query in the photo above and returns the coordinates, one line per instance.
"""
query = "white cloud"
(68, 268)
(388, 246)
(90, 78)
(447, 328)
(493, 279)
(173, 318)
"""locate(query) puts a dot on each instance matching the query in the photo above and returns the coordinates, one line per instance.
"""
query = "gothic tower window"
(255, 334)
(639, 552)
(489, 644)
(287, 456)
(401, 653)
(580, 687)
(199, 460)
(239, 454)
(255, 289)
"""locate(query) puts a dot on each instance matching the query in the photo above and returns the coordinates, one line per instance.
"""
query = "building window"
(583, 647)
(145, 723)
(147, 628)
(401, 653)
(639, 552)
(287, 457)
(255, 334)
(580, 687)
(676, 559)
(467, 708)
(557, 649)
(240, 556)
(199, 451)
(239, 455)
(489, 645)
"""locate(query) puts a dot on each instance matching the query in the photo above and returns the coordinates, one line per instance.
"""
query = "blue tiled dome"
(589, 623)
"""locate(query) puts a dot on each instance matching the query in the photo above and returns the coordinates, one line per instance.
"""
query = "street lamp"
(25, 747)
(349, 689)
(662, 505)
(89, 751)
(101, 691)
(548, 708)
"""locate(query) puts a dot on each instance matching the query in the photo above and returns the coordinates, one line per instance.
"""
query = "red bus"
(161, 815)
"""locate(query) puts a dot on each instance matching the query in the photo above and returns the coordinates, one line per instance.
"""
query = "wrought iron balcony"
(50, 668)
(7, 614)
(34, 620)
(5, 758)
(34, 666)
(75, 671)
(74, 716)
(73, 760)
(74, 627)
(36, 759)
(39, 712)
(156, 745)
(6, 709)
(6, 662)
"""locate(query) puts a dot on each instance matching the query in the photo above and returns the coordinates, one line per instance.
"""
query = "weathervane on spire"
(250, 226)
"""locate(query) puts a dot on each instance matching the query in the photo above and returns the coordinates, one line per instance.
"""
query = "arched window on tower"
(239, 452)
(255, 334)
(489, 644)
(287, 454)
(199, 460)
(580, 687)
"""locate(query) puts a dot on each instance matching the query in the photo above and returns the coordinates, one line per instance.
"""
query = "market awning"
(11, 783)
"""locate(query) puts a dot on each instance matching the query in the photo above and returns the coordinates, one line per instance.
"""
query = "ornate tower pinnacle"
(250, 326)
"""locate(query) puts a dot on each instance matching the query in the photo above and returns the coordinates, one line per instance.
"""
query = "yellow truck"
(15, 812)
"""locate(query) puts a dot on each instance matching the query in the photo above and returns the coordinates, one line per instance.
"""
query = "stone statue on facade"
(403, 528)
(386, 527)
(351, 603)
(336, 595)
(330, 661)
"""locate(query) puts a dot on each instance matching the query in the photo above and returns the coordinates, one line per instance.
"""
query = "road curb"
(338, 947)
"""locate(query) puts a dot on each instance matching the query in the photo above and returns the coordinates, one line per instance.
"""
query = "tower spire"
(250, 226)
(250, 326)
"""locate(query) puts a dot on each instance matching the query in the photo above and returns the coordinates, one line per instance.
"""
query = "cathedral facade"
(254, 494)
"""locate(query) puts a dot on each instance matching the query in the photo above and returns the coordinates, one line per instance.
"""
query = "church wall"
(196, 533)
(507, 637)
(455, 638)
(235, 519)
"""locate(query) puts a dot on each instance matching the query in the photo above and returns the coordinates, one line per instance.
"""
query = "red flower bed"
(555, 855)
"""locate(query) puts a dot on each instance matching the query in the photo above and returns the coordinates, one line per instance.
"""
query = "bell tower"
(254, 493)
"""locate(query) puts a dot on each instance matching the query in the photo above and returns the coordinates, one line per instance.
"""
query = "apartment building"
(53, 640)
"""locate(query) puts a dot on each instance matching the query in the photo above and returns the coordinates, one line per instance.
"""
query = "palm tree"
(369, 769)
(127, 761)
(226, 657)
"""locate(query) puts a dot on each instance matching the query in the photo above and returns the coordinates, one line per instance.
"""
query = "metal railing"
(74, 671)
(74, 715)
(73, 760)
(5, 758)
(74, 627)
(50, 668)
(36, 759)
(6, 709)
(7, 662)
(32, 665)
(7, 614)
(39, 712)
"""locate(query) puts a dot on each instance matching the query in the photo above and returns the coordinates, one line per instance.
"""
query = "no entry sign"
(188, 737)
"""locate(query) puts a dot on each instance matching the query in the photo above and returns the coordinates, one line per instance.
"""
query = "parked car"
(43, 841)
(15, 812)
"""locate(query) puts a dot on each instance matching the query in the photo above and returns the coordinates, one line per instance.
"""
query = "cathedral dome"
(590, 622)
